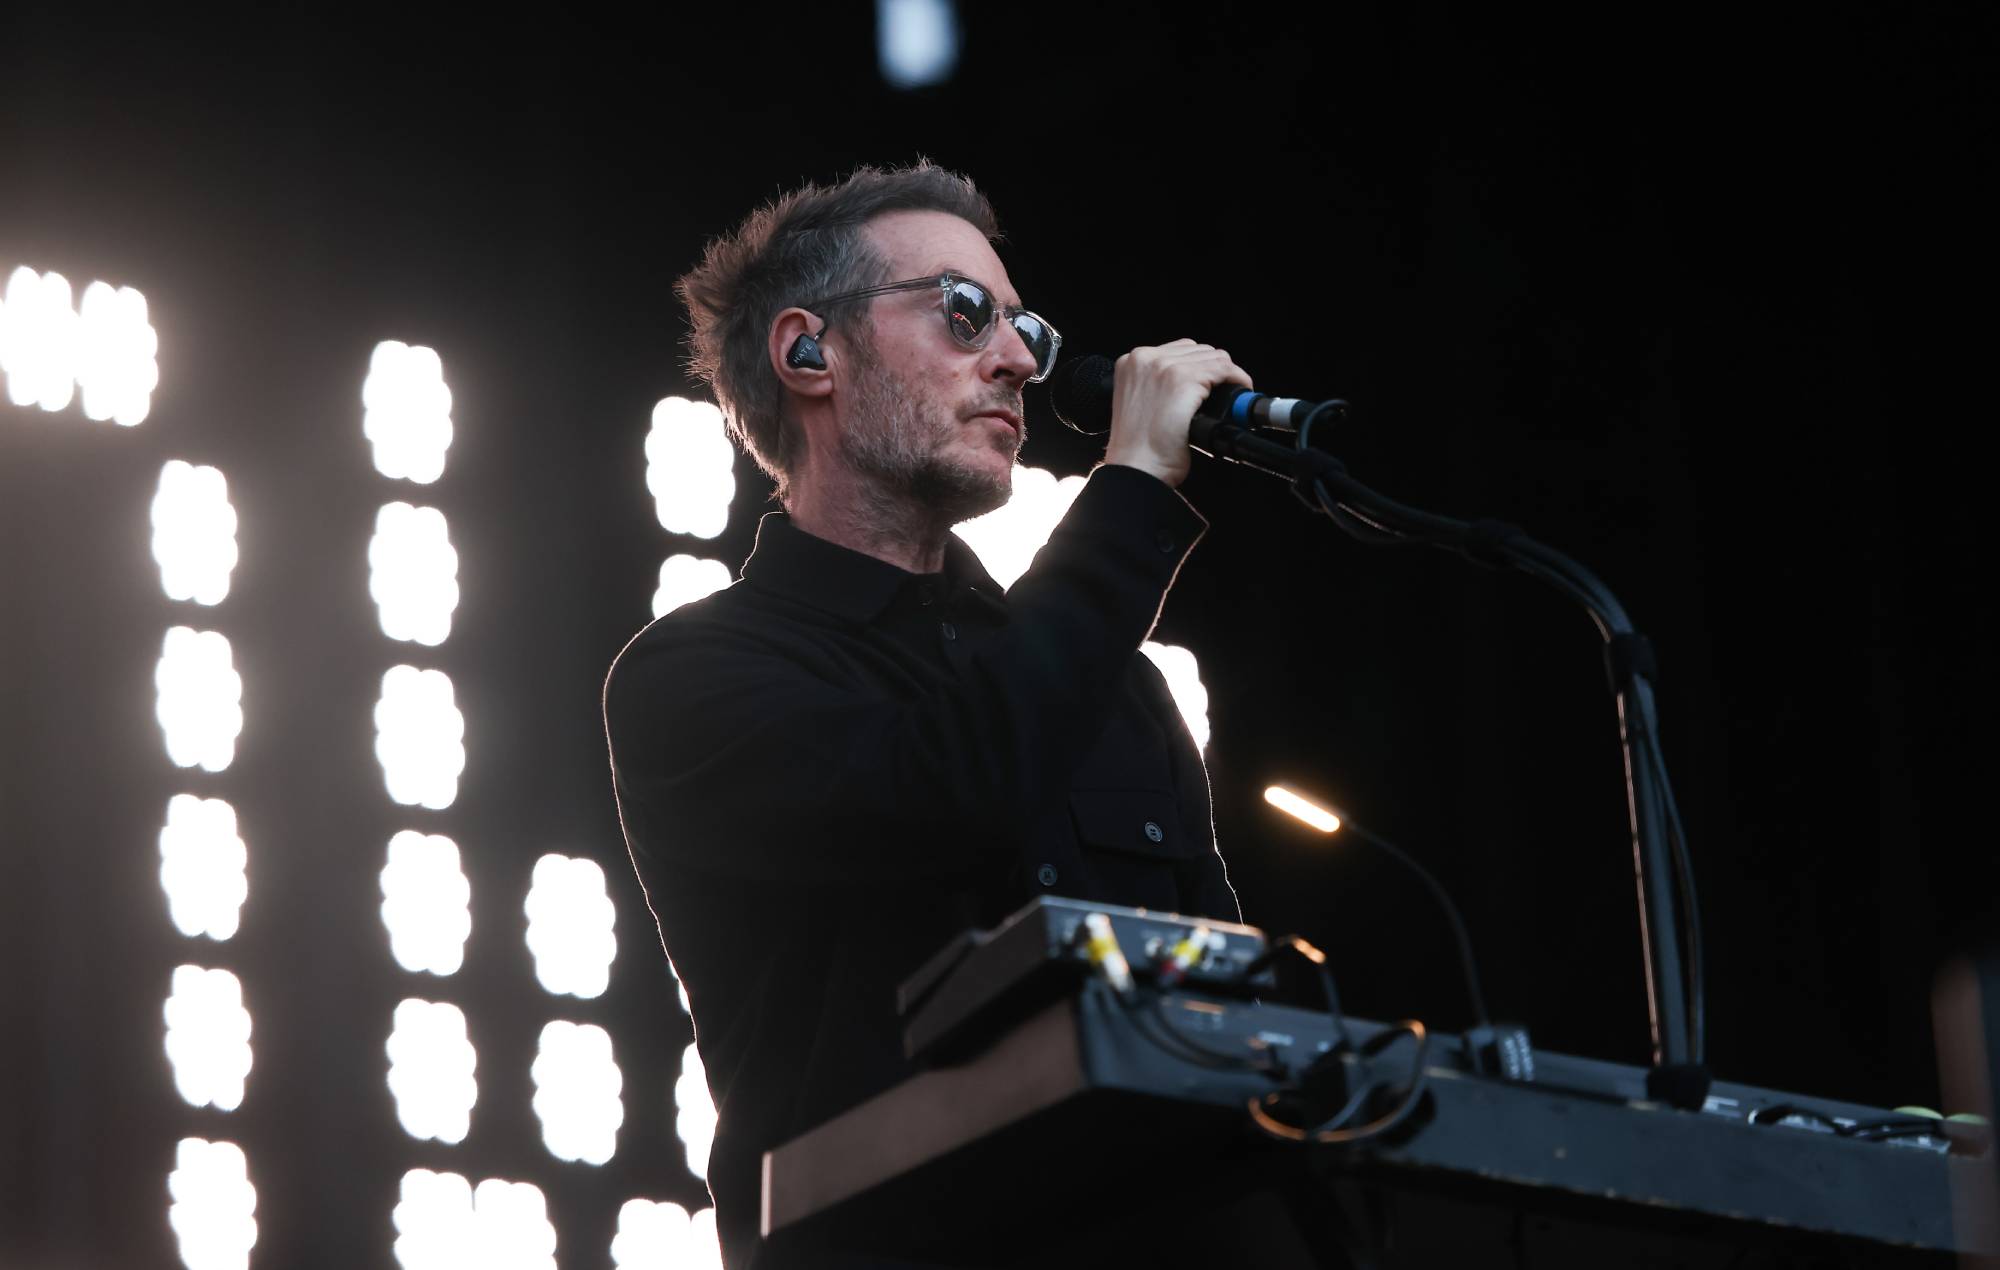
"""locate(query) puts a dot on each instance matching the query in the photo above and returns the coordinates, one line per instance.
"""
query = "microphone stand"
(1671, 933)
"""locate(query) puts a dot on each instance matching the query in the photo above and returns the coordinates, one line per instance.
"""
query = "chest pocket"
(1137, 822)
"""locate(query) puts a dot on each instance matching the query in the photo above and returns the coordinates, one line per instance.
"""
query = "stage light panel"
(413, 573)
(1183, 675)
(431, 1064)
(1007, 538)
(577, 1087)
(202, 861)
(694, 1112)
(406, 411)
(685, 579)
(213, 1211)
(200, 706)
(419, 737)
(690, 467)
(570, 926)
(118, 365)
(38, 340)
(208, 1037)
(662, 1236)
(916, 41)
(426, 903)
(194, 533)
(444, 1222)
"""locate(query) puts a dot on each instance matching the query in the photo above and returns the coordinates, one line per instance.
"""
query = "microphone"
(1081, 395)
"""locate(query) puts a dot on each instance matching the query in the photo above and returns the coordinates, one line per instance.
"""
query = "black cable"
(1467, 963)
(1315, 958)
(1328, 1132)
(1864, 1130)
(1186, 1048)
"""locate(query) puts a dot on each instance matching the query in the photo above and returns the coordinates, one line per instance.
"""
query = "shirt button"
(1165, 542)
(950, 631)
(1154, 832)
(1046, 875)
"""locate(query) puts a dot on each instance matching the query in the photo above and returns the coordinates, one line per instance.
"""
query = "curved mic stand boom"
(1671, 931)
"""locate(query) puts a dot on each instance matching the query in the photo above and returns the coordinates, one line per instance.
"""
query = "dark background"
(1694, 298)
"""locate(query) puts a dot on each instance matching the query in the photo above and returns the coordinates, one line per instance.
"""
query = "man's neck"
(850, 513)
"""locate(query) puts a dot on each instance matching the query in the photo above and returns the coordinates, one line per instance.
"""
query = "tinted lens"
(1040, 340)
(969, 310)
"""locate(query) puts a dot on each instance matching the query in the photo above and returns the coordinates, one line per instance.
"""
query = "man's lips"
(1011, 420)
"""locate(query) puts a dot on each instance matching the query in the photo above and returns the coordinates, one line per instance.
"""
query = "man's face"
(929, 420)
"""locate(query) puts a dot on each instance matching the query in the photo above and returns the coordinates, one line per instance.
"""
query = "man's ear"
(797, 357)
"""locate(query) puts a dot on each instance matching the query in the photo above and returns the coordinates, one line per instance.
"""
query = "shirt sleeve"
(735, 753)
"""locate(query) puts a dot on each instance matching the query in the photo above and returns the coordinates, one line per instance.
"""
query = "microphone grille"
(1080, 391)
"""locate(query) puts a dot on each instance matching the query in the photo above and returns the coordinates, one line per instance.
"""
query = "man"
(828, 770)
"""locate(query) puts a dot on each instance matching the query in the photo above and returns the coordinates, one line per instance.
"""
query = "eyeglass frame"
(944, 283)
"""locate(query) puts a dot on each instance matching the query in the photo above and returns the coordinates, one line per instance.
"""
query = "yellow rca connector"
(1185, 955)
(1105, 954)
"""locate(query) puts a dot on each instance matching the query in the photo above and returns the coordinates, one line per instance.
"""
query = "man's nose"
(1011, 357)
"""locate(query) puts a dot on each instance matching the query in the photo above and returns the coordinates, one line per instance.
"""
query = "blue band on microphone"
(1239, 409)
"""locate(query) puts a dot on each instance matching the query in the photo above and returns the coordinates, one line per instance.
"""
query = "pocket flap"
(1144, 821)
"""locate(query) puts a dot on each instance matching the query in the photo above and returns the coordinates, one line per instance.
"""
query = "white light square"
(39, 340)
(194, 533)
(200, 706)
(214, 1206)
(413, 573)
(406, 411)
(577, 1086)
(431, 1065)
(426, 903)
(570, 920)
(444, 1222)
(690, 467)
(419, 737)
(662, 1236)
(208, 1037)
(118, 367)
(202, 860)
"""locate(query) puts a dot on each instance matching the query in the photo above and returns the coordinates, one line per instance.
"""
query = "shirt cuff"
(1126, 502)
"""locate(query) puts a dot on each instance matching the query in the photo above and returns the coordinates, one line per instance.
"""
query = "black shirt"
(829, 769)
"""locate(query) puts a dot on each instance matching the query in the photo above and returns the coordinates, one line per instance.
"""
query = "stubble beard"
(901, 432)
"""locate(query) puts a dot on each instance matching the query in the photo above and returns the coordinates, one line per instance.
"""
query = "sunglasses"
(969, 311)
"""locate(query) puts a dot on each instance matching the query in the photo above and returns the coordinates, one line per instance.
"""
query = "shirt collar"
(845, 582)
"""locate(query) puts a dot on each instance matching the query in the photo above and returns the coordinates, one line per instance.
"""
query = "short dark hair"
(801, 246)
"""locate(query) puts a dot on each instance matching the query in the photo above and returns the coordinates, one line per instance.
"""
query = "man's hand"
(1153, 399)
